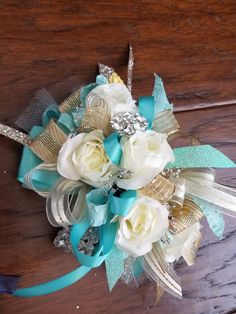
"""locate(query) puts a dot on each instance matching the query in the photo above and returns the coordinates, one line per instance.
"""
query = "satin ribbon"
(64, 120)
(121, 205)
(66, 202)
(97, 205)
(146, 108)
(107, 233)
(32, 170)
(107, 237)
(113, 148)
(200, 184)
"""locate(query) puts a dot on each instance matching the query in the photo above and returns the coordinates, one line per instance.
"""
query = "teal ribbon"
(101, 79)
(121, 205)
(146, 108)
(107, 233)
(214, 217)
(42, 180)
(64, 120)
(114, 266)
(107, 238)
(113, 148)
(85, 91)
(97, 207)
(203, 156)
(160, 98)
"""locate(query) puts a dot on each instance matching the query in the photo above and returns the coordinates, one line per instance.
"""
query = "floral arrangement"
(121, 194)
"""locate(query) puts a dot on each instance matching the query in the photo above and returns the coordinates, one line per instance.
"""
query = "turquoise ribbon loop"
(64, 120)
(113, 148)
(85, 91)
(97, 207)
(42, 180)
(147, 108)
(120, 205)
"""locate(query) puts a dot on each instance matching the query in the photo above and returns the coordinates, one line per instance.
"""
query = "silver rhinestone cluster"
(127, 123)
(15, 135)
(124, 173)
(86, 245)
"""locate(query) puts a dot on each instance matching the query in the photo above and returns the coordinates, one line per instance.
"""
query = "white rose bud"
(146, 155)
(83, 157)
(146, 223)
(181, 242)
(117, 97)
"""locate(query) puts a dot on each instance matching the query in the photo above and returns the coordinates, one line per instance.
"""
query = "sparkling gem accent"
(15, 135)
(127, 123)
(86, 245)
(105, 70)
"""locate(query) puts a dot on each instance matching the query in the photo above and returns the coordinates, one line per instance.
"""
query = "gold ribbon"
(96, 119)
(159, 270)
(160, 189)
(165, 122)
(48, 144)
(200, 184)
(183, 217)
(71, 102)
(66, 202)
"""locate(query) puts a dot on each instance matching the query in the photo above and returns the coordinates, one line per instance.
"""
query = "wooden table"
(192, 46)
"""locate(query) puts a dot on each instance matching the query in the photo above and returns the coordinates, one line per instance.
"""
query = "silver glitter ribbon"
(130, 68)
(15, 135)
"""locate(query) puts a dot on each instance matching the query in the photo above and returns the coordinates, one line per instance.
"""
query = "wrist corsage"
(113, 183)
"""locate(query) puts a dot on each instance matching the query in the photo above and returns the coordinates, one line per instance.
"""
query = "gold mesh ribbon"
(71, 102)
(48, 144)
(160, 189)
(96, 119)
(184, 217)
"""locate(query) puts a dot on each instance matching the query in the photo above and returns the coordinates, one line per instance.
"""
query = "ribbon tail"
(156, 267)
(114, 266)
(54, 285)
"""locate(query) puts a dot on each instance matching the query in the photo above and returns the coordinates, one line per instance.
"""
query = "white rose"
(182, 243)
(116, 96)
(146, 223)
(146, 155)
(83, 157)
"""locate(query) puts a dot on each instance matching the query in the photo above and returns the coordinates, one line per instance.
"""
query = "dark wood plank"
(191, 44)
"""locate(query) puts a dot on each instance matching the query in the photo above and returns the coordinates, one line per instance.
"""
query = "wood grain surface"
(192, 46)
